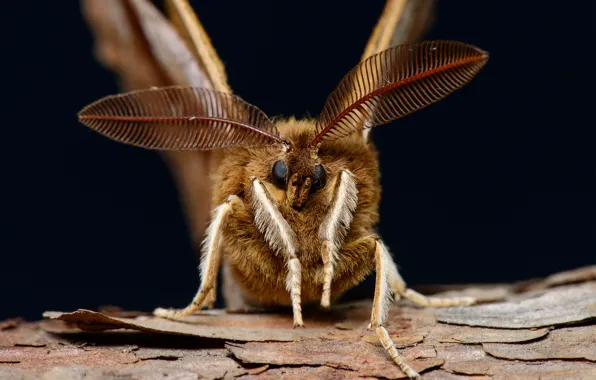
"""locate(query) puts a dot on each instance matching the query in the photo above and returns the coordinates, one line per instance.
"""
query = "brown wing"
(180, 118)
(402, 22)
(121, 46)
(137, 42)
(395, 83)
(190, 29)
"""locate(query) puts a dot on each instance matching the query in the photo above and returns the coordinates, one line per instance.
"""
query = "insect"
(295, 201)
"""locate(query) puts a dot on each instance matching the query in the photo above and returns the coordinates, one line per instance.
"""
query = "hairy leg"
(281, 239)
(335, 226)
(212, 297)
(388, 282)
(210, 262)
(381, 303)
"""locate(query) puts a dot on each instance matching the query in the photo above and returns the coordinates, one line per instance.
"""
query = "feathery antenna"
(395, 83)
(180, 118)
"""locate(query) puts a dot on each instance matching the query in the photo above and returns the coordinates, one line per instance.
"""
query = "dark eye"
(320, 178)
(279, 174)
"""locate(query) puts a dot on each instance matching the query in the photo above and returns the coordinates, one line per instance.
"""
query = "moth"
(295, 202)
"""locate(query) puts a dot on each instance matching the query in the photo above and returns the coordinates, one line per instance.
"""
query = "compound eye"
(319, 179)
(279, 173)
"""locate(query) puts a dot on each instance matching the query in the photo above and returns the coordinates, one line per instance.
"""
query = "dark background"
(493, 184)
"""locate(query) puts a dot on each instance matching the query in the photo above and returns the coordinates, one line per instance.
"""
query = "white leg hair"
(381, 303)
(282, 240)
(382, 299)
(334, 228)
(210, 262)
(388, 282)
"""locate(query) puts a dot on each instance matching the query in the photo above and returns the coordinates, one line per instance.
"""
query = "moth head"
(298, 171)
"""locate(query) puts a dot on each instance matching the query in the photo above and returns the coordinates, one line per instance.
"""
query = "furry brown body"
(295, 202)
(259, 272)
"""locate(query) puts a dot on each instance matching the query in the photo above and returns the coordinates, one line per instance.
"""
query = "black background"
(493, 184)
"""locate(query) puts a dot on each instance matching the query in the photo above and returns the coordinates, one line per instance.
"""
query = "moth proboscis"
(295, 201)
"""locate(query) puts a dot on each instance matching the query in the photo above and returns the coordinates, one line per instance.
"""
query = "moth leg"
(399, 289)
(210, 262)
(282, 240)
(212, 296)
(335, 226)
(329, 256)
(381, 304)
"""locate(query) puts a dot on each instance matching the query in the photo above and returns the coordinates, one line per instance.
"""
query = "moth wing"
(402, 22)
(186, 22)
(120, 45)
(133, 39)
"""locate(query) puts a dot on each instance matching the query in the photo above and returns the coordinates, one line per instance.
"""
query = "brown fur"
(261, 274)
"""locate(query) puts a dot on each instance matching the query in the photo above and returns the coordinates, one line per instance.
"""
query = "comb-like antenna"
(395, 83)
(180, 118)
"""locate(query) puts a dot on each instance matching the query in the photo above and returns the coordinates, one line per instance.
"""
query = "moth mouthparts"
(298, 191)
